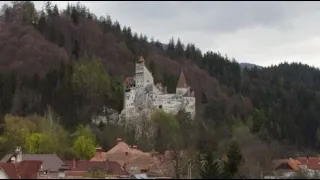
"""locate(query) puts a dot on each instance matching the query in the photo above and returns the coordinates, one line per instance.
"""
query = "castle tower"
(129, 86)
(143, 76)
(182, 87)
(139, 72)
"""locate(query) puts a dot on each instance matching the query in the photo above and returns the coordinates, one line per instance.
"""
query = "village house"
(285, 168)
(134, 160)
(20, 170)
(288, 168)
(120, 162)
(94, 169)
(310, 165)
(52, 165)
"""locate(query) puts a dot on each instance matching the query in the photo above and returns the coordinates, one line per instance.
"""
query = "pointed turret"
(182, 81)
(141, 59)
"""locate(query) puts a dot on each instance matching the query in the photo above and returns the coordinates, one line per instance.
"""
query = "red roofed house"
(286, 167)
(132, 159)
(52, 165)
(100, 155)
(311, 165)
(20, 170)
(94, 169)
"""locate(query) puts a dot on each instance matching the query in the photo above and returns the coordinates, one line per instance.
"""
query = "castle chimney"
(141, 59)
(119, 140)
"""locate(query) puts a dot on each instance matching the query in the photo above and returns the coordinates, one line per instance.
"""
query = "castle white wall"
(191, 105)
(166, 102)
(156, 91)
(182, 91)
(156, 97)
(139, 76)
(148, 78)
(129, 99)
(143, 77)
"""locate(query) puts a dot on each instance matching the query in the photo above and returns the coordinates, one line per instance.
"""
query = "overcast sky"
(263, 32)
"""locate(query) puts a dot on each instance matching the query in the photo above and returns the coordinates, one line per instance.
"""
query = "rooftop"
(130, 157)
(182, 83)
(51, 162)
(111, 167)
(22, 170)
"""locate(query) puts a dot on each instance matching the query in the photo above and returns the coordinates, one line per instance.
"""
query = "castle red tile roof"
(129, 81)
(182, 81)
(23, 170)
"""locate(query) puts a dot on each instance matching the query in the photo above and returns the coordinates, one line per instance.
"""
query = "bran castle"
(141, 94)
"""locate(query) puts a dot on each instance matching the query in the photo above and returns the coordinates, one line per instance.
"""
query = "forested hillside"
(75, 62)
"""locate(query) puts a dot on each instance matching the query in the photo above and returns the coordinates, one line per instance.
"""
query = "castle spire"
(141, 59)
(182, 81)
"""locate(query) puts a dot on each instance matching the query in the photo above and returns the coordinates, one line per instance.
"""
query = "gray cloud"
(257, 32)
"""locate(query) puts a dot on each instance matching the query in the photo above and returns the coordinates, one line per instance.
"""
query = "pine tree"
(144, 38)
(159, 142)
(76, 50)
(234, 159)
(152, 41)
(55, 11)
(7, 15)
(75, 16)
(171, 48)
(188, 51)
(109, 21)
(135, 36)
(129, 33)
(42, 22)
(204, 99)
(48, 6)
(179, 49)
(158, 44)
(68, 9)
(209, 167)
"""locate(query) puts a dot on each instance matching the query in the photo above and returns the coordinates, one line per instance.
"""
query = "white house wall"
(3, 175)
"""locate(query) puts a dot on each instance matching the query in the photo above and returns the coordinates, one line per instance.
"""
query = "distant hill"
(249, 65)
